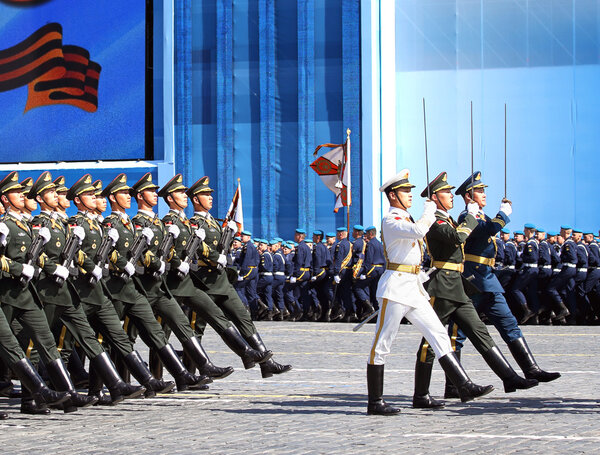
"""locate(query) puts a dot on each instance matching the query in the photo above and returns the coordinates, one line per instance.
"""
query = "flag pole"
(349, 199)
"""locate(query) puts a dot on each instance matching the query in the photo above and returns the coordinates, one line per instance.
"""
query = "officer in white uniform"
(401, 294)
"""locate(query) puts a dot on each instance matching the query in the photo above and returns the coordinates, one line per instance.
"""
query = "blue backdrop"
(541, 58)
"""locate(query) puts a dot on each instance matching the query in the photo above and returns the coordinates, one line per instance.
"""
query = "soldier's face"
(88, 200)
(356, 234)
(245, 238)
(444, 199)
(505, 237)
(123, 199)
(100, 204)
(275, 247)
(50, 198)
(401, 198)
(206, 200)
(150, 197)
(589, 238)
(342, 235)
(236, 244)
(577, 236)
(330, 240)
(479, 196)
(179, 198)
(63, 202)
(30, 205)
(16, 199)
(286, 250)
(552, 239)
(298, 237)
(518, 238)
(565, 233)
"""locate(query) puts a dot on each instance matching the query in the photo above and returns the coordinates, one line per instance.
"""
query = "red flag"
(334, 169)
(235, 213)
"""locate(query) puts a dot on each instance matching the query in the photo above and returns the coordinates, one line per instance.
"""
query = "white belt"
(556, 270)
(529, 264)
(582, 269)
(566, 264)
(546, 267)
(511, 267)
(266, 273)
(279, 273)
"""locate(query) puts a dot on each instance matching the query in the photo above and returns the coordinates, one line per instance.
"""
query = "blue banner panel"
(72, 80)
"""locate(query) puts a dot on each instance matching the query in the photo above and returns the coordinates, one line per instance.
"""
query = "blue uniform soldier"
(480, 253)
(265, 280)
(342, 277)
(374, 264)
(278, 278)
(561, 286)
(506, 270)
(317, 289)
(359, 246)
(300, 277)
(583, 304)
(526, 277)
(247, 262)
(593, 275)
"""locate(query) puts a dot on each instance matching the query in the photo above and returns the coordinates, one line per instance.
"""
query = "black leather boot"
(96, 389)
(263, 309)
(154, 364)
(183, 378)
(3, 416)
(499, 365)
(6, 388)
(250, 357)
(450, 390)
(28, 406)
(79, 376)
(467, 390)
(527, 314)
(367, 308)
(62, 381)
(376, 405)
(199, 356)
(270, 367)
(119, 363)
(140, 371)
(561, 311)
(527, 363)
(118, 389)
(421, 397)
(38, 389)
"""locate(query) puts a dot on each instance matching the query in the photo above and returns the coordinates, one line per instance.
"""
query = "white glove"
(28, 271)
(62, 272)
(233, 227)
(337, 279)
(200, 233)
(473, 208)
(222, 260)
(129, 269)
(292, 279)
(362, 277)
(44, 233)
(506, 207)
(184, 268)
(97, 272)
(429, 208)
(313, 278)
(174, 229)
(240, 278)
(79, 232)
(3, 233)
(114, 235)
(163, 267)
(147, 232)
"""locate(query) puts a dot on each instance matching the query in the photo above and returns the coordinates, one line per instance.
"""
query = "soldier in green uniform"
(56, 296)
(101, 203)
(213, 279)
(63, 202)
(21, 302)
(98, 309)
(153, 281)
(445, 240)
(204, 309)
(130, 303)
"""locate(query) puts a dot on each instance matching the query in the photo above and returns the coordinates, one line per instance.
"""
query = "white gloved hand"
(337, 279)
(240, 278)
(97, 272)
(222, 260)
(200, 233)
(3, 233)
(62, 272)
(129, 269)
(313, 278)
(233, 227)
(28, 271)
(44, 233)
(163, 267)
(292, 279)
(147, 232)
(79, 232)
(114, 235)
(473, 208)
(184, 268)
(429, 208)
(362, 277)
(174, 229)
(506, 207)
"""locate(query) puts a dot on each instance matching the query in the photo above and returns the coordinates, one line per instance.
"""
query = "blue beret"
(588, 232)
(308, 241)
(247, 233)
(266, 242)
(566, 227)
(505, 230)
(300, 231)
(577, 230)
(519, 233)
(237, 238)
(370, 228)
(341, 229)
(358, 227)
(318, 232)
(529, 226)
(293, 243)
(273, 242)
(278, 239)
(540, 230)
(330, 234)
(552, 233)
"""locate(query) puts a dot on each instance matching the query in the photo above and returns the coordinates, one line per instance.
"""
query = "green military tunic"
(445, 241)
(214, 281)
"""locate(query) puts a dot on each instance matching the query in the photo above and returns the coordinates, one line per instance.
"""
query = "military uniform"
(279, 281)
(523, 288)
(264, 286)
(342, 255)
(562, 285)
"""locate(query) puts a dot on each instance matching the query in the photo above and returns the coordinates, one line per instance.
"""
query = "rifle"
(163, 251)
(101, 258)
(34, 252)
(189, 253)
(67, 255)
(137, 249)
(225, 242)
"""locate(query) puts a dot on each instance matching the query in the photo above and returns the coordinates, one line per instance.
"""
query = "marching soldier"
(526, 277)
(63, 202)
(248, 270)
(546, 252)
(182, 287)
(128, 301)
(279, 278)
(214, 280)
(301, 273)
(288, 288)
(445, 242)
(374, 262)
(582, 302)
(401, 294)
(480, 251)
(593, 276)
(264, 287)
(342, 277)
(30, 204)
(100, 202)
(562, 285)
(317, 289)
(359, 247)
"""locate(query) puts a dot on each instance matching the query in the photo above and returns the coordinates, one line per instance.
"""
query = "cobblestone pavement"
(319, 407)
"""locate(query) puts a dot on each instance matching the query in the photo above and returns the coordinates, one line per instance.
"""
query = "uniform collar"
(62, 215)
(179, 213)
(16, 215)
(148, 213)
(26, 216)
(399, 211)
(122, 215)
(442, 213)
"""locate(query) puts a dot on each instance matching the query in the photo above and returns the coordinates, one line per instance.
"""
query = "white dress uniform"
(400, 291)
